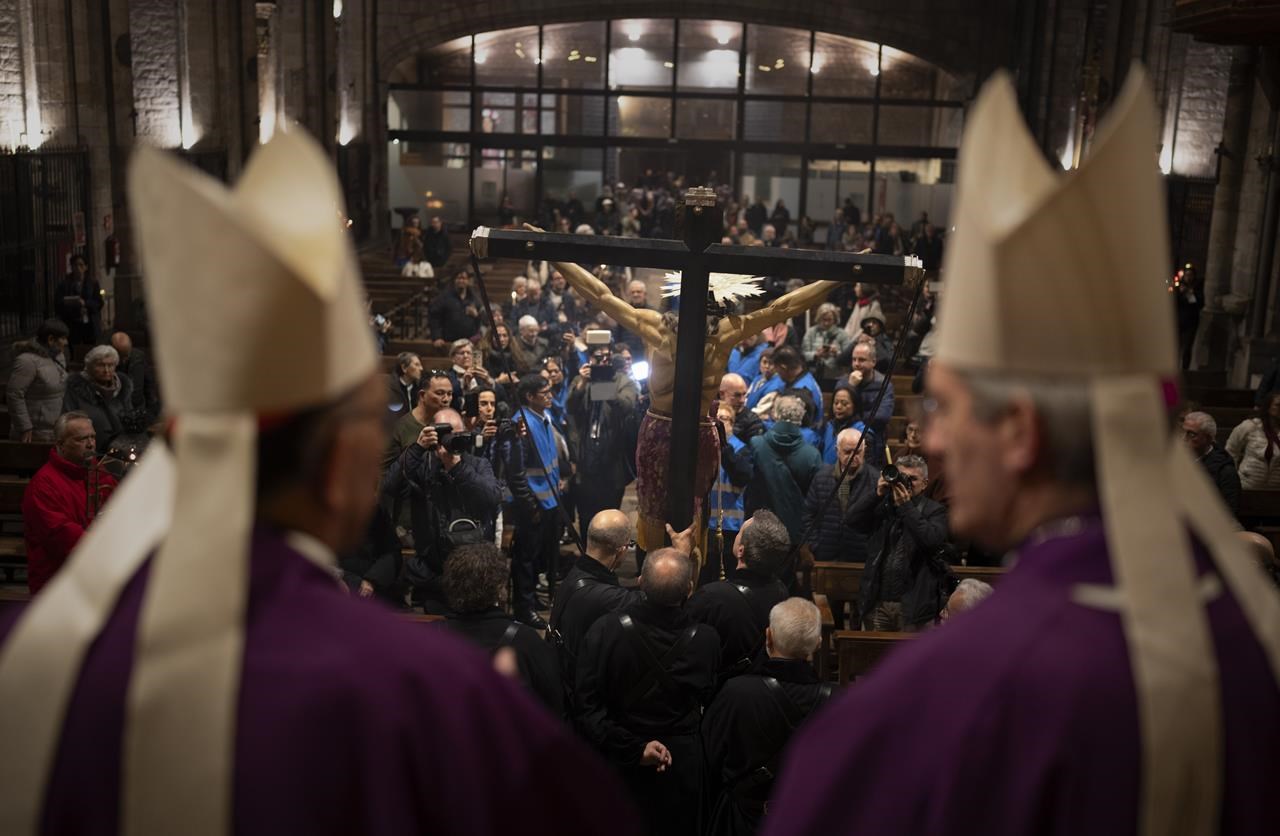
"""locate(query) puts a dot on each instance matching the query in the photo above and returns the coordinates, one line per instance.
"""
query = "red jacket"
(55, 515)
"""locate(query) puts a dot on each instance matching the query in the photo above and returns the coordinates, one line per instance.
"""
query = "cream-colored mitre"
(1062, 277)
(1058, 274)
(255, 287)
(257, 311)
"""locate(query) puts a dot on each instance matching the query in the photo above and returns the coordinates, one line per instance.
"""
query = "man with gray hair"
(55, 505)
(528, 349)
(644, 677)
(748, 725)
(1125, 678)
(902, 584)
(829, 538)
(1200, 432)
(403, 382)
(738, 609)
(784, 466)
(968, 594)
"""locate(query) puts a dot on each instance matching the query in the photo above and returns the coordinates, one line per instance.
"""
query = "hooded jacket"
(35, 390)
(784, 466)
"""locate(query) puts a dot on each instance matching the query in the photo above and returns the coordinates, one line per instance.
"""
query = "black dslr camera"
(893, 476)
(457, 443)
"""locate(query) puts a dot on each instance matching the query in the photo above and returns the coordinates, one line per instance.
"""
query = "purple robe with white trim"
(1020, 717)
(351, 720)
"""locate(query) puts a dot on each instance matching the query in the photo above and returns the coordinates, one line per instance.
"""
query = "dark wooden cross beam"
(698, 256)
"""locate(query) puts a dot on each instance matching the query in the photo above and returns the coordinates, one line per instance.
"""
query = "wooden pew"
(858, 651)
(4, 422)
(421, 618)
(19, 459)
(838, 584)
(13, 550)
(1262, 505)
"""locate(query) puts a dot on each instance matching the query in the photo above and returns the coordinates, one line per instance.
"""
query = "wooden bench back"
(19, 459)
(858, 651)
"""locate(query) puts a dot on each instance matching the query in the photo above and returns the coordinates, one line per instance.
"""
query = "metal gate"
(44, 203)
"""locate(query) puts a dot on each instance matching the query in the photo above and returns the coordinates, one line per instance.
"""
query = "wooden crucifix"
(686, 364)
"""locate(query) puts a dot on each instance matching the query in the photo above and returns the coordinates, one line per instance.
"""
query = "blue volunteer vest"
(543, 474)
(727, 496)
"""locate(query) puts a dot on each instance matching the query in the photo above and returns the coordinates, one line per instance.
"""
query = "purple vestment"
(1020, 717)
(351, 720)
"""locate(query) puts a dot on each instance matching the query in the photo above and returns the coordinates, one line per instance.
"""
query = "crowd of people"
(531, 423)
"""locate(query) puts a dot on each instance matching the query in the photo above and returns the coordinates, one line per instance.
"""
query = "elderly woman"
(37, 383)
(825, 342)
(103, 395)
(1255, 445)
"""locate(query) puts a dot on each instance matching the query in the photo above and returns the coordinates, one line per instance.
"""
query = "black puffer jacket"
(109, 413)
(828, 536)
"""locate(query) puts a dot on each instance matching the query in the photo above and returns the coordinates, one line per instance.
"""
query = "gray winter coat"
(34, 392)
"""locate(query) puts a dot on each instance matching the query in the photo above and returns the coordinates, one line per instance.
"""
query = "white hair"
(968, 594)
(527, 320)
(584, 229)
(868, 347)
(796, 627)
(789, 408)
(1204, 422)
(826, 308)
(850, 434)
(99, 353)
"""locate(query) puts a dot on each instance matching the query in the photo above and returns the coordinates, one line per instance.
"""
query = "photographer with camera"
(601, 409)
(905, 529)
(453, 498)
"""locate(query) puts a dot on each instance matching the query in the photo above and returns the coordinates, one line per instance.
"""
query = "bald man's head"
(733, 391)
(1260, 545)
(451, 417)
(122, 344)
(667, 579)
(608, 535)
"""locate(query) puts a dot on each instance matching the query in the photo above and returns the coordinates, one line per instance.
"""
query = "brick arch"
(961, 36)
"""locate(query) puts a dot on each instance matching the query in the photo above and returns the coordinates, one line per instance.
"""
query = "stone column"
(1220, 317)
(268, 71)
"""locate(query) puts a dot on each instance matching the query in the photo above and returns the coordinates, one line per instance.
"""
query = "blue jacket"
(726, 495)
(747, 365)
(761, 387)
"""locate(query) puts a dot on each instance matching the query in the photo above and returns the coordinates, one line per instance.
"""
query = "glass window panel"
(777, 60)
(640, 55)
(706, 118)
(639, 116)
(429, 110)
(573, 55)
(844, 124)
(904, 76)
(773, 121)
(831, 182)
(907, 188)
(500, 114)
(448, 63)
(504, 172)
(573, 115)
(844, 66)
(571, 172)
(430, 176)
(709, 55)
(952, 88)
(507, 58)
(772, 177)
(928, 126)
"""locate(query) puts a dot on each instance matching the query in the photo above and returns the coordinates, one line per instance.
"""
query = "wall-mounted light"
(337, 9)
(482, 55)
